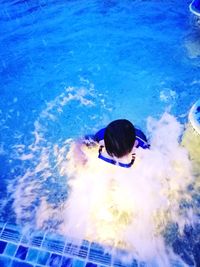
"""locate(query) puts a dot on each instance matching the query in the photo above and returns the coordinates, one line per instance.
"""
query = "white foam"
(126, 208)
(131, 207)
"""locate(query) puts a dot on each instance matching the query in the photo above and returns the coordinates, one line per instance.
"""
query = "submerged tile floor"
(45, 249)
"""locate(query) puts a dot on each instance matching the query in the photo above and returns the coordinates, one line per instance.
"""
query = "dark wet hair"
(119, 138)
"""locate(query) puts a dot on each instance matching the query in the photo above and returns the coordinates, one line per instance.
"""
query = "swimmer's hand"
(78, 153)
(89, 141)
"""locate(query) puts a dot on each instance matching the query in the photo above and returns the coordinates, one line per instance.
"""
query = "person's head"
(119, 138)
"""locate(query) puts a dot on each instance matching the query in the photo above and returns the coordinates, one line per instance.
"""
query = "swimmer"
(117, 143)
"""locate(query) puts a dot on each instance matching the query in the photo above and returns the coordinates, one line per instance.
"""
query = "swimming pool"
(70, 67)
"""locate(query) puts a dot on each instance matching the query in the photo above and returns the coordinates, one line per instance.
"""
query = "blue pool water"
(68, 68)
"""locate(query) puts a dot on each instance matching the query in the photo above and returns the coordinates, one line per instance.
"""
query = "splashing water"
(123, 208)
(41, 180)
(130, 208)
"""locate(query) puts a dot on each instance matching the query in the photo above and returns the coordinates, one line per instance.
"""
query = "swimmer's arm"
(79, 145)
(78, 152)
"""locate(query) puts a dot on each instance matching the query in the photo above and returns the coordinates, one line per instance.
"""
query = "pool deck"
(47, 249)
(194, 116)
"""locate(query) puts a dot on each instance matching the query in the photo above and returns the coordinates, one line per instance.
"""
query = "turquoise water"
(117, 59)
